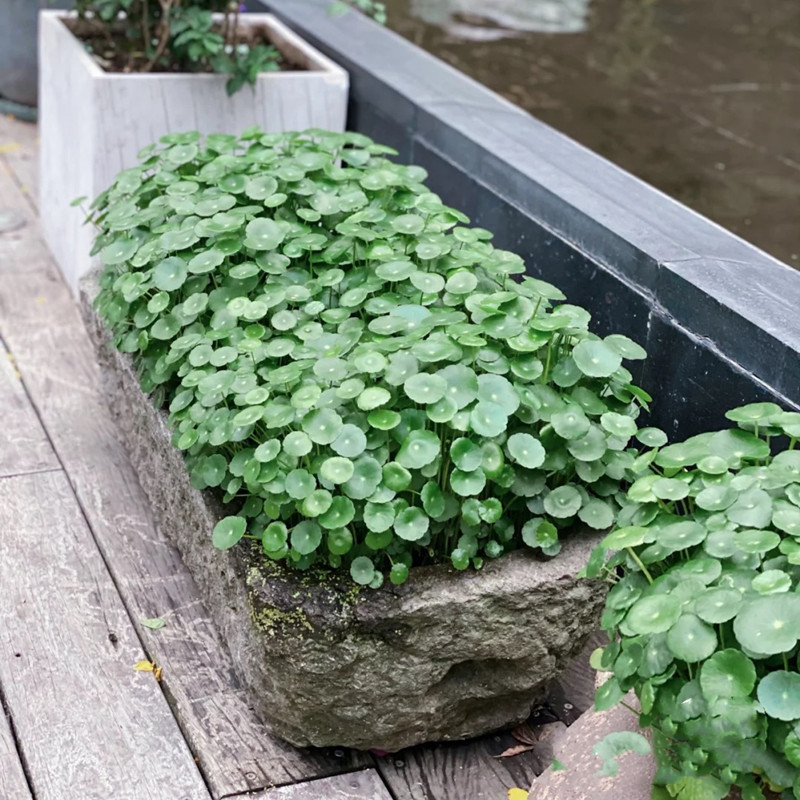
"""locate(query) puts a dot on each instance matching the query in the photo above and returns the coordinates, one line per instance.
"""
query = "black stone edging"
(719, 316)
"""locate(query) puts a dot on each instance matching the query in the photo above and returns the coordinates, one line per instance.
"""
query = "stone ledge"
(448, 655)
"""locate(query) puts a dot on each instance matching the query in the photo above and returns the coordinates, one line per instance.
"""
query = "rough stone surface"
(448, 655)
(579, 779)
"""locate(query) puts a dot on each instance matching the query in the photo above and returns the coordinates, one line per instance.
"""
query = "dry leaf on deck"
(525, 733)
(516, 750)
(517, 794)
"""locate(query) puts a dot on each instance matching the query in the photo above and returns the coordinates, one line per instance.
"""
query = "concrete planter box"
(448, 655)
(93, 123)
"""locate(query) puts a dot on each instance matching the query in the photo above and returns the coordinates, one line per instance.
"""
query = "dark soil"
(115, 52)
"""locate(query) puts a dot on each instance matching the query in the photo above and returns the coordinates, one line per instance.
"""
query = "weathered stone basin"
(448, 655)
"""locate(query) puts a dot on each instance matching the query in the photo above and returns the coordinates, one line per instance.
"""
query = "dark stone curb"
(718, 316)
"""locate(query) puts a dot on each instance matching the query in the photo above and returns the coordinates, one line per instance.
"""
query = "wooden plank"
(19, 148)
(24, 446)
(456, 771)
(363, 785)
(236, 751)
(21, 247)
(13, 784)
(88, 724)
(573, 693)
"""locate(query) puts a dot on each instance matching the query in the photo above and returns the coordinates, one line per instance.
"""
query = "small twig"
(145, 24)
(163, 35)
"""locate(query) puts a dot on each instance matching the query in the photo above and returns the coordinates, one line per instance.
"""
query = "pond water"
(700, 98)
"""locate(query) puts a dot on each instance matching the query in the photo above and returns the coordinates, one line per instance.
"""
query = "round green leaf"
(526, 450)
(362, 570)
(337, 469)
(275, 537)
(728, 673)
(411, 524)
(466, 455)
(340, 541)
(341, 512)
(631, 536)
(466, 484)
(297, 443)
(488, 419)
(228, 531)
(691, 640)
(596, 359)
(779, 694)
(379, 517)
(653, 614)
(571, 423)
(398, 573)
(769, 625)
(264, 234)
(772, 581)
(306, 537)
(425, 388)
(418, 449)
(322, 425)
(299, 484)
(383, 419)
(396, 477)
(752, 540)
(170, 274)
(373, 397)
(597, 514)
(565, 501)
(718, 605)
(350, 442)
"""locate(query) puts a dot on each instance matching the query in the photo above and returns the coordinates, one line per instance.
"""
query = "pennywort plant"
(704, 613)
(352, 366)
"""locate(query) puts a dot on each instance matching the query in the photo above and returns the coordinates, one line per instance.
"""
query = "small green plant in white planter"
(357, 374)
(98, 109)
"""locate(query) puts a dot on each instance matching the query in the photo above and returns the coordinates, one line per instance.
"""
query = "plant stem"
(145, 24)
(640, 564)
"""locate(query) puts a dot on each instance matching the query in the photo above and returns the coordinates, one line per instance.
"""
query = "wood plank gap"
(24, 445)
(236, 750)
(21, 155)
(358, 785)
(15, 782)
(87, 723)
(42, 471)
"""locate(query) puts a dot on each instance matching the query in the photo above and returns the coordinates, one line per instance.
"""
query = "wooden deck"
(82, 563)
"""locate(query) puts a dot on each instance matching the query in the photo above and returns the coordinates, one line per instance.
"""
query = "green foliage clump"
(704, 613)
(147, 35)
(350, 364)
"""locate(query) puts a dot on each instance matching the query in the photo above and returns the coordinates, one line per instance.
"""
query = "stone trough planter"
(93, 123)
(448, 655)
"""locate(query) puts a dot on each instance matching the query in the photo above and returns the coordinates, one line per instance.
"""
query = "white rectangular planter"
(93, 123)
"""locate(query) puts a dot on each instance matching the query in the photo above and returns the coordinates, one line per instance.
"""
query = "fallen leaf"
(157, 673)
(10, 147)
(525, 734)
(516, 750)
(144, 666)
(557, 765)
(154, 624)
(517, 794)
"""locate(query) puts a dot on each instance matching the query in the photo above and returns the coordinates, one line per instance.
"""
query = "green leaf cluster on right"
(704, 611)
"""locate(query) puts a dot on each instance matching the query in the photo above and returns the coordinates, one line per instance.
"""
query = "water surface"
(701, 98)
